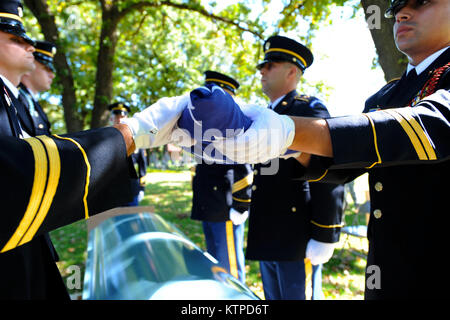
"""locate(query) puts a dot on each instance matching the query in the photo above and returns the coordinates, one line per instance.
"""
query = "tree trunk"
(105, 65)
(40, 10)
(392, 61)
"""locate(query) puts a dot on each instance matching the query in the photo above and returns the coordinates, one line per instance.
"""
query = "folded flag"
(212, 114)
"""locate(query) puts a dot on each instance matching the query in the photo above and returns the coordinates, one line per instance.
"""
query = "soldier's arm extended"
(387, 137)
(49, 182)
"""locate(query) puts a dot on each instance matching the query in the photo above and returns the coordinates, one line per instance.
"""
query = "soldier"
(139, 156)
(221, 200)
(51, 181)
(291, 219)
(403, 141)
(27, 267)
(33, 118)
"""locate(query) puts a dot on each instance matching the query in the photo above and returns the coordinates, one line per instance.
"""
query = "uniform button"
(294, 209)
(253, 188)
(255, 172)
(40, 126)
(378, 186)
(215, 188)
(377, 213)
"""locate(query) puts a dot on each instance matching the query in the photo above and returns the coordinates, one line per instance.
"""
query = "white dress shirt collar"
(425, 63)
(272, 105)
(10, 86)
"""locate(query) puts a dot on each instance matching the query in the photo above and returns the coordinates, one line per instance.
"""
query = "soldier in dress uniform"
(287, 214)
(403, 141)
(33, 118)
(221, 200)
(44, 181)
(119, 111)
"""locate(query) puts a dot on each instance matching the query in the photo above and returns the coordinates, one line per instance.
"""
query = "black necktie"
(412, 76)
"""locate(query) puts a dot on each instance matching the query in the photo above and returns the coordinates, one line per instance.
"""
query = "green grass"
(169, 191)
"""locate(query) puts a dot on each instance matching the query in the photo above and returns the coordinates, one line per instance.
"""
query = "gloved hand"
(319, 252)
(268, 137)
(154, 125)
(237, 217)
(140, 196)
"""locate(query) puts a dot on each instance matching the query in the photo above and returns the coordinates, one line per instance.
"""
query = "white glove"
(319, 252)
(140, 196)
(268, 137)
(237, 217)
(154, 126)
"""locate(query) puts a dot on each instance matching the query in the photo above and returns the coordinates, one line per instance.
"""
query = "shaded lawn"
(343, 275)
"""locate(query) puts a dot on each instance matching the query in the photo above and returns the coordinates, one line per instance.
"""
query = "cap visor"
(19, 33)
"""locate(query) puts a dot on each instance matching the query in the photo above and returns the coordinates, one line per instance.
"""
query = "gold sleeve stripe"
(241, 184)
(37, 191)
(52, 184)
(320, 178)
(88, 173)
(330, 226)
(231, 249)
(374, 142)
(242, 200)
(411, 134)
(419, 131)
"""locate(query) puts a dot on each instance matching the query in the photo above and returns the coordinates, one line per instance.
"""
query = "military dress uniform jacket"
(49, 182)
(286, 212)
(31, 115)
(405, 149)
(218, 187)
(9, 125)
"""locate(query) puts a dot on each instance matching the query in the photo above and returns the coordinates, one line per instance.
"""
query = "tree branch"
(200, 10)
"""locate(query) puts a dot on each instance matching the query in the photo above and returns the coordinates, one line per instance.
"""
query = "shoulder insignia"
(312, 101)
(303, 97)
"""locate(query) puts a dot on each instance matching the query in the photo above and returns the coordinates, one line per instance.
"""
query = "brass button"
(294, 209)
(253, 188)
(378, 186)
(255, 172)
(215, 188)
(377, 213)
(40, 126)
(284, 103)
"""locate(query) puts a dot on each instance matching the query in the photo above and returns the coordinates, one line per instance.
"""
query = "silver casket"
(140, 256)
